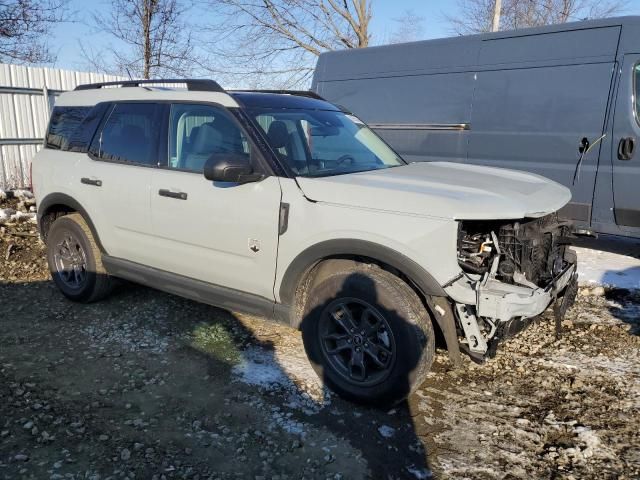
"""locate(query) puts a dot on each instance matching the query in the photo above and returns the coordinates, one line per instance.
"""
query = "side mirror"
(230, 167)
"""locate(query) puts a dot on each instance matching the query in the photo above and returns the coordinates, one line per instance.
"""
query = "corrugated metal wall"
(26, 97)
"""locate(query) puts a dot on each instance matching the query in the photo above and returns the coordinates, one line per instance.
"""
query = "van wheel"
(75, 261)
(367, 334)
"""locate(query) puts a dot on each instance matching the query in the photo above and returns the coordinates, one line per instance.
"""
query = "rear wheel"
(367, 334)
(75, 261)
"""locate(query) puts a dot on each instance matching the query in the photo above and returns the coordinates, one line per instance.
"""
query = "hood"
(442, 189)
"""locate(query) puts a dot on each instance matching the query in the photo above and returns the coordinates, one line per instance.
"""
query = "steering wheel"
(344, 158)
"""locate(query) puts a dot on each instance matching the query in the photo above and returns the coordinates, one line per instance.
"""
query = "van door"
(220, 233)
(625, 158)
(535, 119)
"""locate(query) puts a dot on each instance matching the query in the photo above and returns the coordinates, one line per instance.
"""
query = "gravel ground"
(149, 385)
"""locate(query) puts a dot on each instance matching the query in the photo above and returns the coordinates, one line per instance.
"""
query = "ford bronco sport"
(281, 204)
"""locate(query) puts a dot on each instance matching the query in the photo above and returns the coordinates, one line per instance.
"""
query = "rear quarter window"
(63, 124)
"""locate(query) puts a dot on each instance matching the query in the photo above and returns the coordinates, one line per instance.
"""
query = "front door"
(220, 233)
(625, 158)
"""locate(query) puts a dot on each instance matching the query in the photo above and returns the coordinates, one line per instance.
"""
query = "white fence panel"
(24, 113)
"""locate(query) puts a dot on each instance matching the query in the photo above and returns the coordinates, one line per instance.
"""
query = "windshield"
(316, 143)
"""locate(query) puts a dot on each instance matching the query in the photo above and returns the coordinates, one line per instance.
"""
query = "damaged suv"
(283, 205)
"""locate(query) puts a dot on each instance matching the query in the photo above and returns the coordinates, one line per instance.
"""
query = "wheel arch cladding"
(61, 202)
(334, 254)
(347, 248)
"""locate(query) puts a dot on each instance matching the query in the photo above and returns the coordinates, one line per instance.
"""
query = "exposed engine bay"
(529, 253)
(512, 271)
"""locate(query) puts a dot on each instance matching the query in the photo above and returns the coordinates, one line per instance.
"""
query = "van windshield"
(317, 143)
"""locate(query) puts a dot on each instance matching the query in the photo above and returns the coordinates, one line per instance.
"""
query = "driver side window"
(198, 131)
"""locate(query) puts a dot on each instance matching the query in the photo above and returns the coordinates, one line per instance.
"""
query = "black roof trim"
(278, 99)
(197, 84)
(299, 93)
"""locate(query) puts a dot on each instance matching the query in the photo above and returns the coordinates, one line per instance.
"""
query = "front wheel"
(75, 261)
(367, 334)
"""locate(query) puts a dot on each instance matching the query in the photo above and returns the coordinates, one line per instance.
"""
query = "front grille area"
(533, 248)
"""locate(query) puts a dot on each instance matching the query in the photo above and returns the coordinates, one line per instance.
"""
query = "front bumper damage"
(490, 307)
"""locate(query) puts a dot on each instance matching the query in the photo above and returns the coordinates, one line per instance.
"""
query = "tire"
(75, 261)
(398, 334)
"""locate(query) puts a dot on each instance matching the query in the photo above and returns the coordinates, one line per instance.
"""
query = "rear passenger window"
(64, 122)
(198, 131)
(130, 134)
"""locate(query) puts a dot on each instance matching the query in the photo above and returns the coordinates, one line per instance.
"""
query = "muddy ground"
(149, 385)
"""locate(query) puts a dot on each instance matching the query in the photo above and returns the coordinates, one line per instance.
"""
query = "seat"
(279, 137)
(207, 141)
(278, 134)
(231, 137)
(134, 144)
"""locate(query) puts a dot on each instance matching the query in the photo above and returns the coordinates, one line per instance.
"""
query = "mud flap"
(564, 302)
(441, 310)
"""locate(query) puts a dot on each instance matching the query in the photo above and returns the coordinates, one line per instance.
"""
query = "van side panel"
(423, 116)
(534, 119)
(417, 96)
(515, 49)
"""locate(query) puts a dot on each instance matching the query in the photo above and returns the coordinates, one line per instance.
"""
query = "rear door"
(624, 155)
(224, 234)
(116, 178)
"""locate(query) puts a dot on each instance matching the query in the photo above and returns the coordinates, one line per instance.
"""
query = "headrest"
(208, 140)
(231, 138)
(278, 134)
(194, 133)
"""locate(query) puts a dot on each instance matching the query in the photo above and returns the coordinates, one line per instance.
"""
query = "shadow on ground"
(146, 383)
(625, 306)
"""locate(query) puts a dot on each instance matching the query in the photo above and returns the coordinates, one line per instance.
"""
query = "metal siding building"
(27, 95)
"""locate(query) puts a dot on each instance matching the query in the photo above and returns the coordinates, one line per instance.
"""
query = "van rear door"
(624, 155)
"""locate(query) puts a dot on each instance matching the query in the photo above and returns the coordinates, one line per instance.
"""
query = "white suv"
(282, 204)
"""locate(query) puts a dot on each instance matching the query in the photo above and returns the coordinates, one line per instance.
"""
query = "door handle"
(91, 181)
(163, 192)
(626, 148)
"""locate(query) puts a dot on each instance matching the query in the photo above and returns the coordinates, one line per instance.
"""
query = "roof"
(196, 91)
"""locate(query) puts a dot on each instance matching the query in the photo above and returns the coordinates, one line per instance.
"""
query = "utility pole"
(495, 25)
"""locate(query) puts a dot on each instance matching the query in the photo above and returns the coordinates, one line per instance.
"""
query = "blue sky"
(65, 41)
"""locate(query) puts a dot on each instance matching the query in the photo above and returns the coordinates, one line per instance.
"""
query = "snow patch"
(22, 194)
(288, 372)
(623, 370)
(420, 473)
(597, 267)
(9, 215)
(5, 214)
(258, 367)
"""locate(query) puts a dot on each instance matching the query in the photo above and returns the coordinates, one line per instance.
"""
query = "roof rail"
(300, 93)
(197, 84)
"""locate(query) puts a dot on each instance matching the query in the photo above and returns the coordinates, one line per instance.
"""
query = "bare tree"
(278, 41)
(152, 39)
(476, 16)
(25, 26)
(409, 28)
